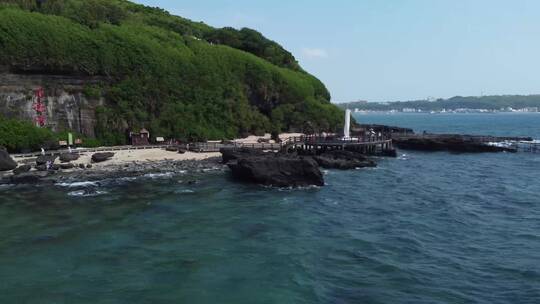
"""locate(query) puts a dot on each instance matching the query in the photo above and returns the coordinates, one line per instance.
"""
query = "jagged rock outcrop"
(343, 160)
(278, 170)
(6, 162)
(22, 169)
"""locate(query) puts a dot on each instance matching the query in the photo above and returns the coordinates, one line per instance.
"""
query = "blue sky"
(394, 49)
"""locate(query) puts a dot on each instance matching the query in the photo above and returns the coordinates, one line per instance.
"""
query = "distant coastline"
(455, 111)
(458, 104)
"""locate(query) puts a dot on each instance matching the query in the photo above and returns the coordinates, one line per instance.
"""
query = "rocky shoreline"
(57, 175)
(289, 169)
(455, 143)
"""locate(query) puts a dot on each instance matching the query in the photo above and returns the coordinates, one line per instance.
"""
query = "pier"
(316, 144)
(310, 144)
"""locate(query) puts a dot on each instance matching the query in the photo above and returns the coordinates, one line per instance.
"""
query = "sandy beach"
(133, 156)
(130, 162)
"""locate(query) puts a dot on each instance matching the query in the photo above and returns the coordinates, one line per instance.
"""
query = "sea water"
(421, 228)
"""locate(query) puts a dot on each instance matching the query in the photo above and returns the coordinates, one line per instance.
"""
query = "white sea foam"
(184, 191)
(78, 184)
(158, 175)
(85, 193)
(403, 156)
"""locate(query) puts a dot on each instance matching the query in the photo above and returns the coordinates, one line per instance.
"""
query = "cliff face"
(67, 107)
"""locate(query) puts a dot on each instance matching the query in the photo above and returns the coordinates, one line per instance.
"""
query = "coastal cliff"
(67, 106)
(146, 68)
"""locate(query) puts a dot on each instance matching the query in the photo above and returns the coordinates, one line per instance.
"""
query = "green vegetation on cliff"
(176, 77)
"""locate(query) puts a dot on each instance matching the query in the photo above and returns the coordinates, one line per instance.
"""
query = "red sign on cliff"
(40, 108)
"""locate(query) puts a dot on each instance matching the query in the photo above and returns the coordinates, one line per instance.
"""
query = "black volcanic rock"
(229, 154)
(343, 160)
(68, 157)
(67, 166)
(451, 143)
(6, 162)
(28, 178)
(22, 169)
(101, 157)
(278, 170)
(43, 159)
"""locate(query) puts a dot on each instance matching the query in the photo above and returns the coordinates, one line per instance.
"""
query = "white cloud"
(314, 53)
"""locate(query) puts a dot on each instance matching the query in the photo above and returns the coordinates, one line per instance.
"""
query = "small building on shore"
(140, 139)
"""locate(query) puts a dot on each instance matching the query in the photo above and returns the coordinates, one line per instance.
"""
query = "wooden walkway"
(313, 143)
(367, 145)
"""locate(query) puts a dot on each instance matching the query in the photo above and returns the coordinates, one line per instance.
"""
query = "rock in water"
(43, 159)
(41, 167)
(101, 157)
(343, 160)
(28, 178)
(277, 170)
(22, 169)
(449, 142)
(229, 154)
(67, 166)
(6, 162)
(68, 157)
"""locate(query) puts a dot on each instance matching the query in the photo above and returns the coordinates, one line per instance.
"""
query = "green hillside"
(176, 77)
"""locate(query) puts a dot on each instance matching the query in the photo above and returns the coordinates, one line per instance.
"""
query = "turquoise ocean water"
(422, 228)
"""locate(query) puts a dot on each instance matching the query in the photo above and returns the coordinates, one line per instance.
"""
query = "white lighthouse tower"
(347, 127)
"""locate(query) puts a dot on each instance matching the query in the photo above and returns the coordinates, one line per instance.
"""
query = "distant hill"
(173, 76)
(458, 102)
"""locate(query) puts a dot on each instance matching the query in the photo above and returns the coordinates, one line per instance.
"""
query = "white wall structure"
(347, 128)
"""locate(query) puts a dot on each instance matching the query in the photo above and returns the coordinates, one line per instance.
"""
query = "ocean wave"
(86, 193)
(78, 184)
(159, 175)
(287, 189)
(184, 191)
(404, 156)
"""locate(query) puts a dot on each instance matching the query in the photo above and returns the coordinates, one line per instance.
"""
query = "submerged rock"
(28, 178)
(278, 170)
(6, 162)
(451, 143)
(22, 169)
(101, 157)
(343, 160)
